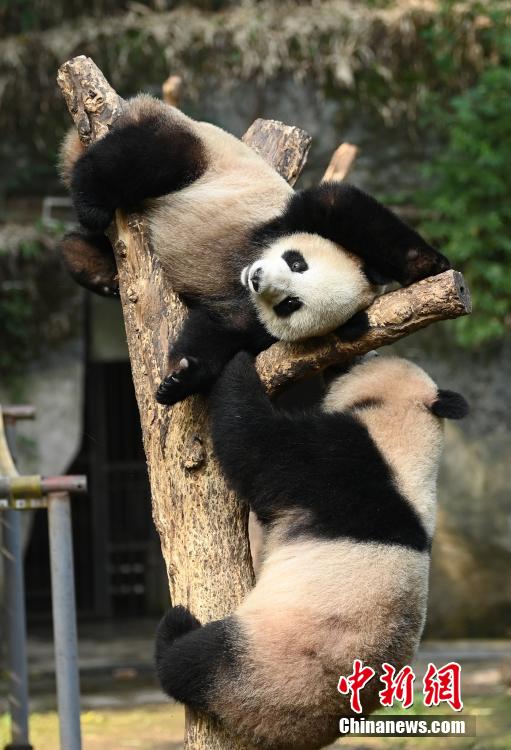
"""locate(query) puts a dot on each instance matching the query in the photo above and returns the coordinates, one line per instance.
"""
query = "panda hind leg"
(189, 658)
(197, 358)
(90, 260)
(152, 150)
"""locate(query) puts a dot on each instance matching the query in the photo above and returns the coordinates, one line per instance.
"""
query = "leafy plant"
(469, 183)
(38, 303)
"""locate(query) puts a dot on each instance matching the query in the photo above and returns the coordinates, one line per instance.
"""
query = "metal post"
(15, 618)
(64, 620)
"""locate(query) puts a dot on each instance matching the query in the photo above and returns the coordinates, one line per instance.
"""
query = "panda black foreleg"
(204, 346)
(189, 658)
(354, 328)
(151, 151)
(248, 434)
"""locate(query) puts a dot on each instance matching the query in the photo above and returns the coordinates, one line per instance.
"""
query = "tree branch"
(172, 90)
(202, 525)
(341, 163)
(391, 317)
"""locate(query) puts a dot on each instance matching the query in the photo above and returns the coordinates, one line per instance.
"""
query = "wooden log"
(285, 147)
(172, 89)
(391, 317)
(341, 163)
(201, 524)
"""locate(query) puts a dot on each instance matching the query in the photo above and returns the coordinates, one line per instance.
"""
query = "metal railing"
(17, 494)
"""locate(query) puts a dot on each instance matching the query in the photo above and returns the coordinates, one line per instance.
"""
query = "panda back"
(200, 233)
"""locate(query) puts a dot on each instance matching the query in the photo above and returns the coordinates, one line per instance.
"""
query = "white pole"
(64, 620)
(15, 616)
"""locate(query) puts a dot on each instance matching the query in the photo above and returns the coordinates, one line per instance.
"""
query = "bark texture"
(203, 528)
(391, 317)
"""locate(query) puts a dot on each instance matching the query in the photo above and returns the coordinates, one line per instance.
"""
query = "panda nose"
(255, 278)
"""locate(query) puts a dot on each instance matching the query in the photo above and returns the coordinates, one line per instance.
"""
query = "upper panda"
(346, 495)
(254, 260)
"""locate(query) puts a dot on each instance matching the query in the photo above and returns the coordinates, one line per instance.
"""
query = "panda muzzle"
(255, 279)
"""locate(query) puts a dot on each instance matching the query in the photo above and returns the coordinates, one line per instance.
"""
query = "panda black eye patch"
(288, 306)
(295, 261)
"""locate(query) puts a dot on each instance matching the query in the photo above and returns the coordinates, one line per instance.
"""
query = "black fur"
(208, 340)
(90, 260)
(287, 307)
(188, 657)
(450, 405)
(366, 403)
(324, 464)
(134, 162)
(356, 221)
(354, 328)
(147, 154)
(295, 261)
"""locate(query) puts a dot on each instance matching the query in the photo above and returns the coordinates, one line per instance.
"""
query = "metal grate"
(114, 537)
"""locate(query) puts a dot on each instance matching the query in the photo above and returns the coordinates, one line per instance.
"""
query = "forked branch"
(201, 523)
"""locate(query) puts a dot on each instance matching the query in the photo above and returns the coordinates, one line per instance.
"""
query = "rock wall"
(470, 584)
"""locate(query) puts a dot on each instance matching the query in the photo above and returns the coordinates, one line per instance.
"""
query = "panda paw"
(184, 380)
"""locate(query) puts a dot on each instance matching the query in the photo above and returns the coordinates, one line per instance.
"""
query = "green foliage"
(39, 308)
(469, 182)
(16, 315)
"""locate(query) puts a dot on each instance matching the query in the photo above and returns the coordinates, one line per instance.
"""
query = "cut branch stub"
(172, 90)
(341, 163)
(92, 102)
(284, 147)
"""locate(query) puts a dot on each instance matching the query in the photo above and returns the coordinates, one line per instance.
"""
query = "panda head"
(397, 388)
(305, 285)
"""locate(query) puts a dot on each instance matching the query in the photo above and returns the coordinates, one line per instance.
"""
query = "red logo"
(397, 687)
(440, 685)
(443, 685)
(354, 683)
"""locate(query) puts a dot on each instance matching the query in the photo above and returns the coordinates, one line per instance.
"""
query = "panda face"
(304, 285)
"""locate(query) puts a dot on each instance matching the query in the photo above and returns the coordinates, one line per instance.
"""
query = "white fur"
(319, 604)
(332, 289)
(407, 434)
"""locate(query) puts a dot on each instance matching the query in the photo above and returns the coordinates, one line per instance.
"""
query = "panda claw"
(180, 382)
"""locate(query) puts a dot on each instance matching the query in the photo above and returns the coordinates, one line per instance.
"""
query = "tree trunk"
(202, 526)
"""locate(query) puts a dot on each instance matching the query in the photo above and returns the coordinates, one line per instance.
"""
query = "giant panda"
(346, 496)
(253, 260)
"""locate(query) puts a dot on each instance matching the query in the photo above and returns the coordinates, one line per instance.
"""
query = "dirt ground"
(160, 727)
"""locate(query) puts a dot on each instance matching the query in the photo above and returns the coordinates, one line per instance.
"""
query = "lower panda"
(346, 495)
(254, 260)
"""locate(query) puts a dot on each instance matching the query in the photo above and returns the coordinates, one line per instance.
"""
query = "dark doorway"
(118, 566)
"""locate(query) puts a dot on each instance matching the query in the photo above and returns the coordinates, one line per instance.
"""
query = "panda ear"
(375, 276)
(450, 405)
